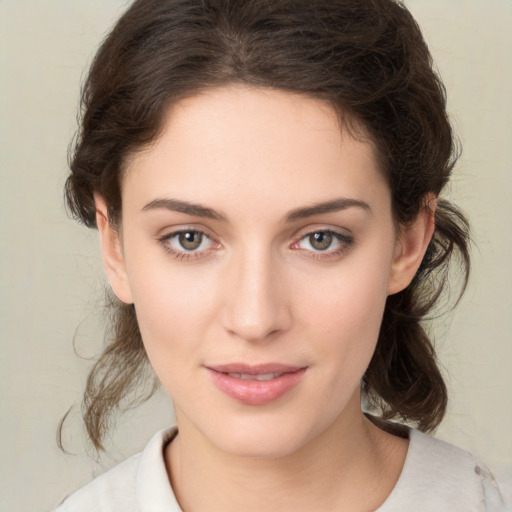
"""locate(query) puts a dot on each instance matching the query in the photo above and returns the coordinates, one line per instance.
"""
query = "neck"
(352, 465)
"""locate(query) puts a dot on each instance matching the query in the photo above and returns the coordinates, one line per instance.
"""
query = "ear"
(112, 252)
(411, 246)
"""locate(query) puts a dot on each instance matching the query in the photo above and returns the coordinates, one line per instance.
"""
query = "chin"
(260, 438)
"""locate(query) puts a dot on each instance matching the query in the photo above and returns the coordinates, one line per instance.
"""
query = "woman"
(265, 178)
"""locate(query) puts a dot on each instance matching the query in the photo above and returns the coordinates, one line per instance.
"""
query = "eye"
(189, 240)
(320, 241)
(187, 243)
(324, 243)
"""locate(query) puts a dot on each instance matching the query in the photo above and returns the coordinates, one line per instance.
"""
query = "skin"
(257, 290)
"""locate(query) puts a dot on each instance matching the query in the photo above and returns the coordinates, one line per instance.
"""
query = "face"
(258, 247)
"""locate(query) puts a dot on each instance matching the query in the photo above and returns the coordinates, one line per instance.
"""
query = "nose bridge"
(256, 306)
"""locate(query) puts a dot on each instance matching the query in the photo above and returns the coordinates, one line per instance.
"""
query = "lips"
(256, 385)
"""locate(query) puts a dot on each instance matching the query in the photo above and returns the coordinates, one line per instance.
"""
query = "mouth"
(260, 376)
(256, 385)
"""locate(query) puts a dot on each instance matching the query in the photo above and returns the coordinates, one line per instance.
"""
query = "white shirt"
(436, 477)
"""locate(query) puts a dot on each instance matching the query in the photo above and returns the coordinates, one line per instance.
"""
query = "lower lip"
(256, 392)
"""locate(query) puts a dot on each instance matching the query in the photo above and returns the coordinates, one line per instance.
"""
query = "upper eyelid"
(170, 231)
(327, 230)
(165, 239)
(337, 235)
(309, 230)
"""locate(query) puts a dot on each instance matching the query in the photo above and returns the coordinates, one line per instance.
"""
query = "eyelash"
(344, 241)
(184, 255)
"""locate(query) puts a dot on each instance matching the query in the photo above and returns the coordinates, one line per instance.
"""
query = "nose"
(256, 307)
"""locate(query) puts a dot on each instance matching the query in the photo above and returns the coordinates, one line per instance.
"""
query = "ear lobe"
(411, 247)
(111, 249)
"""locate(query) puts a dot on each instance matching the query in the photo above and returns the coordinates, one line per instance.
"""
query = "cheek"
(349, 324)
(173, 311)
(171, 325)
(344, 311)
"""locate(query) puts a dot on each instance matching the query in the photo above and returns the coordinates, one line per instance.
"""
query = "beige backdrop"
(51, 279)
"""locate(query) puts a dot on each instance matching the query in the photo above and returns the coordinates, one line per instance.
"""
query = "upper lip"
(259, 369)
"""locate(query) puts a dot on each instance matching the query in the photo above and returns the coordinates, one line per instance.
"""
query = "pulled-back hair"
(365, 58)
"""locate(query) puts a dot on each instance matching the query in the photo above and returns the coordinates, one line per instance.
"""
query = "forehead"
(241, 144)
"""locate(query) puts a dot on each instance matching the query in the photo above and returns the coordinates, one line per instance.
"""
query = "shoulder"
(126, 485)
(113, 490)
(439, 476)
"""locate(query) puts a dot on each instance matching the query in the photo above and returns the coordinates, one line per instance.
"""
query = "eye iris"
(321, 240)
(190, 240)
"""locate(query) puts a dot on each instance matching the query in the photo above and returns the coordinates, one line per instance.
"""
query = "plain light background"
(51, 277)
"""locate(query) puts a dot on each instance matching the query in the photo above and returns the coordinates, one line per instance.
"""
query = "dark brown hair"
(367, 59)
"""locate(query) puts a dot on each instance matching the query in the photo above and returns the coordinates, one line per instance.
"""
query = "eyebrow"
(199, 210)
(334, 205)
(184, 207)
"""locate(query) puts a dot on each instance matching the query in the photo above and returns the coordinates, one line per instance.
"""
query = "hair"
(365, 58)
